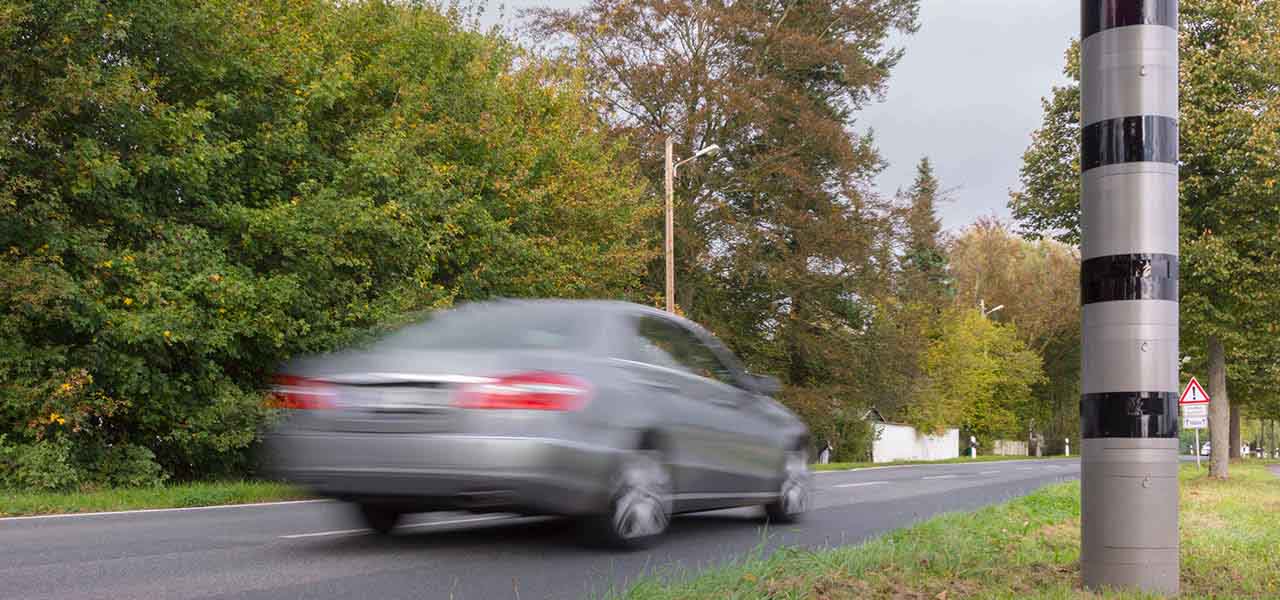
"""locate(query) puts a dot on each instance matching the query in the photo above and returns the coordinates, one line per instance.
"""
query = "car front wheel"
(796, 491)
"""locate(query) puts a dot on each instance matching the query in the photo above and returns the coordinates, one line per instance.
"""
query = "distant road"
(317, 550)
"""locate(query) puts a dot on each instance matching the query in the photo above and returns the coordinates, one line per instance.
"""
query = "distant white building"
(896, 441)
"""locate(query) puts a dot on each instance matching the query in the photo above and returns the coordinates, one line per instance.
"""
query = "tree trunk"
(1219, 410)
(1235, 431)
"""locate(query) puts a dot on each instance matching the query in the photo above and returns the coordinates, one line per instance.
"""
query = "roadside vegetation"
(15, 503)
(1229, 165)
(1026, 548)
(199, 190)
(842, 466)
(194, 191)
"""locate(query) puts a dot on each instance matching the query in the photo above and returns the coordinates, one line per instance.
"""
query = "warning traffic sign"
(1193, 394)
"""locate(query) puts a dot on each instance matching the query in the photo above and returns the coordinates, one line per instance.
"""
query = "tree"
(192, 191)
(782, 246)
(1037, 283)
(1230, 155)
(924, 256)
(921, 287)
(1049, 202)
(979, 377)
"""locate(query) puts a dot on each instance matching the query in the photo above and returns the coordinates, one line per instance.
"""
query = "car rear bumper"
(448, 472)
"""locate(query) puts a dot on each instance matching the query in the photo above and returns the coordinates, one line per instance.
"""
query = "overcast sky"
(967, 94)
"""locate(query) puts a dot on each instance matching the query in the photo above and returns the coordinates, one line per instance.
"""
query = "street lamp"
(671, 167)
(982, 306)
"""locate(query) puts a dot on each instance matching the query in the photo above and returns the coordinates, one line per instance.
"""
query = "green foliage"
(980, 377)
(129, 466)
(1037, 282)
(1229, 144)
(1049, 202)
(16, 502)
(924, 258)
(46, 465)
(835, 419)
(782, 247)
(192, 191)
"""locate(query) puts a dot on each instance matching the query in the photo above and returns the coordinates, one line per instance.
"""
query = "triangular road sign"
(1193, 394)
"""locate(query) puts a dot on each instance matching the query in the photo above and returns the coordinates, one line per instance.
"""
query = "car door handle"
(658, 385)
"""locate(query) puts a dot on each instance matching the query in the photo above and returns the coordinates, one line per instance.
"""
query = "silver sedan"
(612, 413)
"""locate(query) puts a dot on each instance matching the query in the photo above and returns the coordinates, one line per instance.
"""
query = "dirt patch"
(893, 585)
(1200, 520)
(1025, 580)
(1064, 531)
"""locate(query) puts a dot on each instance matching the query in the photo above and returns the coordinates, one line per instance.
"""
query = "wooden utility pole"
(669, 243)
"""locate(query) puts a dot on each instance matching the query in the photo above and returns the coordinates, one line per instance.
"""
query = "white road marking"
(410, 526)
(988, 472)
(933, 464)
(1026, 468)
(161, 510)
(320, 533)
(849, 485)
(940, 477)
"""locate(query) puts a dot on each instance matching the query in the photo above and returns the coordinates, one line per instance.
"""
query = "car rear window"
(509, 326)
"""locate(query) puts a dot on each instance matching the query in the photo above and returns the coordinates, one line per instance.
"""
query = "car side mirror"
(764, 384)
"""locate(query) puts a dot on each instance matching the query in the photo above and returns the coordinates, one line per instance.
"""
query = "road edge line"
(946, 464)
(159, 510)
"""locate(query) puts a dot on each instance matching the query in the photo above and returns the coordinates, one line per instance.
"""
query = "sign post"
(1195, 411)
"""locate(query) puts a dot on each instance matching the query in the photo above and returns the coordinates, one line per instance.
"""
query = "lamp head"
(712, 149)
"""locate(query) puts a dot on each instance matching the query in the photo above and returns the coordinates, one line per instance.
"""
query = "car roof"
(594, 305)
(602, 308)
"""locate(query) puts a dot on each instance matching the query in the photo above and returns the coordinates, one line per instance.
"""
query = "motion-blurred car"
(613, 413)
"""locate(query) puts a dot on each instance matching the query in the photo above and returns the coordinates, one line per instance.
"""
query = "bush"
(832, 419)
(129, 466)
(46, 466)
(192, 191)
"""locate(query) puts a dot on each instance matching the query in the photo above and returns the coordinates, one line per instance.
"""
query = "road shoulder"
(1025, 548)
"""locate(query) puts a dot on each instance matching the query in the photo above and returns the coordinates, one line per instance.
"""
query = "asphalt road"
(316, 549)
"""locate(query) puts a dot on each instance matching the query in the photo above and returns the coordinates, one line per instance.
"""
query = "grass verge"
(844, 466)
(1026, 548)
(20, 503)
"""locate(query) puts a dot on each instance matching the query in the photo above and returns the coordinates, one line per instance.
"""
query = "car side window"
(669, 344)
(655, 343)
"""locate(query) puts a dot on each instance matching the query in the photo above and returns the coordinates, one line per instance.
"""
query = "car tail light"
(300, 393)
(526, 391)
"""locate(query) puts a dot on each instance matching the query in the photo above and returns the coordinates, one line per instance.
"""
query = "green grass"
(17, 503)
(1026, 548)
(844, 466)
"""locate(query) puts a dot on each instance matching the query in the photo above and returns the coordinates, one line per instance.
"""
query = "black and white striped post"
(1129, 294)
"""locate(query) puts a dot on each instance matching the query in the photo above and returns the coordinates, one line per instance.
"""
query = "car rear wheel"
(797, 488)
(380, 518)
(639, 508)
